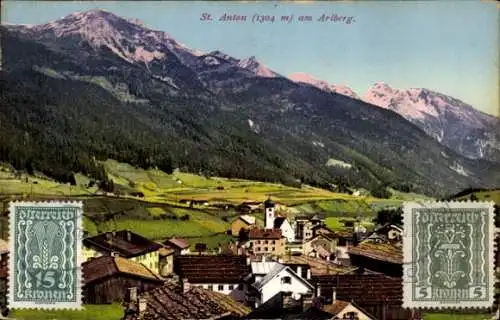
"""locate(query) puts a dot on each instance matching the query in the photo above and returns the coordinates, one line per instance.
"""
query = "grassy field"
(336, 223)
(159, 214)
(456, 316)
(91, 312)
(491, 195)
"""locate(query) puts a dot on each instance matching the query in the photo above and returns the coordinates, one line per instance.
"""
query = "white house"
(273, 222)
(273, 278)
(219, 273)
(285, 227)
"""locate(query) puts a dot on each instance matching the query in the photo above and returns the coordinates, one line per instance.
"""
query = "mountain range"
(459, 126)
(94, 85)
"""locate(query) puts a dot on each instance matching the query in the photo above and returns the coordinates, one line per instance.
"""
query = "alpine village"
(216, 188)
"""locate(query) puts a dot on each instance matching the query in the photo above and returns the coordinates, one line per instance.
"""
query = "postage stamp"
(448, 252)
(45, 261)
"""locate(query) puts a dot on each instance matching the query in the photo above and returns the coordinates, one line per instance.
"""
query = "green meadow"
(91, 312)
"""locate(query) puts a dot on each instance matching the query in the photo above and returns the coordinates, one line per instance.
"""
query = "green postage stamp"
(448, 250)
(45, 255)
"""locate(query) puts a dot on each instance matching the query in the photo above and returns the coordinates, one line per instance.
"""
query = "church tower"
(269, 213)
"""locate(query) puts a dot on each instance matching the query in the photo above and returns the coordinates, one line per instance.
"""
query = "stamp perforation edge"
(408, 266)
(78, 304)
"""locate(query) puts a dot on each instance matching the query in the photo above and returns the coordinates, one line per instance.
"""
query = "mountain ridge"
(208, 112)
(436, 113)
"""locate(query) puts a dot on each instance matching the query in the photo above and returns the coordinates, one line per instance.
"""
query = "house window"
(274, 242)
(265, 241)
(265, 248)
(257, 248)
(231, 287)
(221, 287)
(257, 242)
(210, 287)
(351, 316)
(273, 248)
(286, 280)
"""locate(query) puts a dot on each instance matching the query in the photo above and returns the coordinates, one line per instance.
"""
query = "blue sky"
(447, 46)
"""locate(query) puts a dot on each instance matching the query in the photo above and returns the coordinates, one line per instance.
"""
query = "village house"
(333, 309)
(244, 222)
(221, 273)
(322, 246)
(107, 279)
(377, 295)
(304, 225)
(345, 241)
(179, 245)
(266, 242)
(270, 279)
(126, 244)
(184, 302)
(166, 262)
(388, 232)
(374, 256)
(322, 229)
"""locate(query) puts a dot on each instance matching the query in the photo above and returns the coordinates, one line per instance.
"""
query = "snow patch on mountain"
(253, 126)
(318, 144)
(256, 67)
(301, 77)
(338, 163)
(458, 168)
(410, 103)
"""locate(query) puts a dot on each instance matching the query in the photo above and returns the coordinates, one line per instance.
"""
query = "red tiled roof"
(362, 289)
(256, 233)
(212, 268)
(169, 302)
(126, 243)
(105, 266)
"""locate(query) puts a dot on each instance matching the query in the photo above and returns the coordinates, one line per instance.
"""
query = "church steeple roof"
(269, 203)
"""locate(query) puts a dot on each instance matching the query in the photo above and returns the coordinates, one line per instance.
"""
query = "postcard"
(249, 160)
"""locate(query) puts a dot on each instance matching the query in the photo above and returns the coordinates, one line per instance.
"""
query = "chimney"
(132, 294)
(248, 261)
(143, 302)
(220, 248)
(299, 271)
(318, 291)
(308, 274)
(185, 285)
(129, 236)
(334, 295)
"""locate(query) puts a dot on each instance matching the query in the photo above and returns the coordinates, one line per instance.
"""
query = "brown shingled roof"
(178, 243)
(212, 268)
(389, 252)
(318, 266)
(124, 242)
(362, 289)
(102, 267)
(256, 233)
(170, 302)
